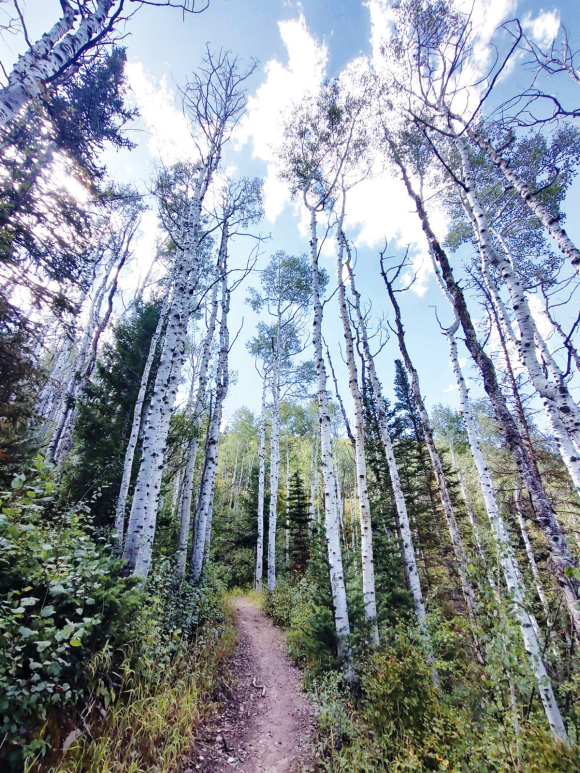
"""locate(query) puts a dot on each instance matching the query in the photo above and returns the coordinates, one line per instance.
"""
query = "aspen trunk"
(454, 533)
(510, 570)
(274, 463)
(409, 557)
(549, 221)
(185, 510)
(146, 493)
(136, 426)
(557, 394)
(332, 527)
(203, 539)
(51, 54)
(560, 556)
(261, 486)
(367, 559)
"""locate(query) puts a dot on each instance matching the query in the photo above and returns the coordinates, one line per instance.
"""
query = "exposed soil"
(267, 723)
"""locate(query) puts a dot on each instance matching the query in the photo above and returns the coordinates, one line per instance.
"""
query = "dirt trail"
(265, 728)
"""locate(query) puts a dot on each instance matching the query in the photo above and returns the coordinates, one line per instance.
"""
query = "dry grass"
(151, 731)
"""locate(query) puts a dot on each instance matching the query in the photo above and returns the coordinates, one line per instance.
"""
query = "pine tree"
(105, 410)
(298, 522)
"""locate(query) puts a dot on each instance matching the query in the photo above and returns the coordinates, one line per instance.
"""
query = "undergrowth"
(394, 718)
(150, 728)
(114, 674)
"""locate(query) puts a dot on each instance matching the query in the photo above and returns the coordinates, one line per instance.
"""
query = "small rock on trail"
(267, 724)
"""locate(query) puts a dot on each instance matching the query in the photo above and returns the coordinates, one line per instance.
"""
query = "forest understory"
(307, 563)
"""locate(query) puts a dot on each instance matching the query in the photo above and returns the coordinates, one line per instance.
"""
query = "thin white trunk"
(332, 527)
(274, 462)
(287, 505)
(261, 486)
(136, 425)
(409, 558)
(203, 537)
(185, 511)
(454, 533)
(506, 557)
(549, 221)
(530, 554)
(48, 56)
(557, 394)
(367, 559)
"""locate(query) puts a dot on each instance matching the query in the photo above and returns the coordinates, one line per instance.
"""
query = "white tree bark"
(53, 53)
(187, 485)
(367, 559)
(551, 223)
(530, 554)
(558, 394)
(287, 504)
(203, 537)
(261, 486)
(510, 571)
(274, 458)
(332, 526)
(136, 424)
(146, 493)
(454, 533)
(409, 558)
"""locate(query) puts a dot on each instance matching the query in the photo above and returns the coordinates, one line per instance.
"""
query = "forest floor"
(266, 724)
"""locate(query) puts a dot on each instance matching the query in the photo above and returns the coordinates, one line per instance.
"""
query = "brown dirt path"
(260, 730)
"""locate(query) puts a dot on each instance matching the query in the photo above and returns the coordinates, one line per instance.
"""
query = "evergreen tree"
(298, 518)
(105, 411)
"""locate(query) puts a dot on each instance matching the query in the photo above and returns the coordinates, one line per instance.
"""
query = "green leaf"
(75, 643)
(25, 632)
(30, 601)
(89, 601)
(18, 482)
(47, 611)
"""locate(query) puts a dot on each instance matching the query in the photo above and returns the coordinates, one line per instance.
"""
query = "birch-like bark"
(367, 558)
(287, 505)
(54, 52)
(332, 526)
(274, 459)
(454, 533)
(543, 683)
(261, 486)
(409, 557)
(187, 486)
(68, 397)
(560, 555)
(136, 424)
(146, 493)
(549, 221)
(203, 539)
(558, 394)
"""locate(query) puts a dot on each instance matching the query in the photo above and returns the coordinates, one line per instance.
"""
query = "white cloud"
(284, 85)
(450, 388)
(170, 138)
(544, 28)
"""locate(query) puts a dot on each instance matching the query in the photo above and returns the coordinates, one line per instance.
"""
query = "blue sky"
(296, 44)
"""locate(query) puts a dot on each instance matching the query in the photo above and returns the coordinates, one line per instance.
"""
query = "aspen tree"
(454, 533)
(408, 549)
(561, 558)
(215, 100)
(317, 146)
(285, 294)
(367, 560)
(206, 497)
(510, 569)
(58, 53)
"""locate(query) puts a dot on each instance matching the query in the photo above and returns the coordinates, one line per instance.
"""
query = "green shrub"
(73, 634)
